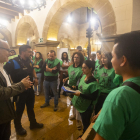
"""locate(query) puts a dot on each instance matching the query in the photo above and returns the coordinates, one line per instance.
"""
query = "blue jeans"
(53, 85)
(39, 83)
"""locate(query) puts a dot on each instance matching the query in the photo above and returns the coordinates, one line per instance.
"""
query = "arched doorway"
(62, 8)
(26, 32)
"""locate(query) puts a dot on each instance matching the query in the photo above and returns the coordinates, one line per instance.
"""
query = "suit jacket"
(7, 111)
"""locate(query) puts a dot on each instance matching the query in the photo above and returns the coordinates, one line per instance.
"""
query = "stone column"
(44, 48)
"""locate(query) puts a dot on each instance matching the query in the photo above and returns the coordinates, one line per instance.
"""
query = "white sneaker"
(37, 93)
(72, 117)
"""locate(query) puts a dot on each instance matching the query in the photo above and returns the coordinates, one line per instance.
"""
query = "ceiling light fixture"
(69, 19)
(93, 21)
(3, 23)
(28, 4)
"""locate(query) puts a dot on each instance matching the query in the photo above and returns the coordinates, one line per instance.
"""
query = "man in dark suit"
(19, 68)
(7, 91)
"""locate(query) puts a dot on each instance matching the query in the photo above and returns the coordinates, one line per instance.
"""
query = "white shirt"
(66, 64)
(5, 76)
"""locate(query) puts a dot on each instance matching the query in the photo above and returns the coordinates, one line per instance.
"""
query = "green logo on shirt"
(104, 75)
(72, 73)
(81, 88)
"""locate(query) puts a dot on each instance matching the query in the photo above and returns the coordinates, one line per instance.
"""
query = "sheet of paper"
(67, 89)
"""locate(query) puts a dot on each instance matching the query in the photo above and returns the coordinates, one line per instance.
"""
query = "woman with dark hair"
(93, 57)
(75, 70)
(64, 56)
(98, 62)
(38, 62)
(105, 76)
(63, 70)
(75, 73)
(85, 100)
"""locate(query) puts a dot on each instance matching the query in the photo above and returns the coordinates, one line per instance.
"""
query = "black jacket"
(7, 111)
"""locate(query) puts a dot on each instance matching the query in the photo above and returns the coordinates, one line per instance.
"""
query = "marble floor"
(57, 125)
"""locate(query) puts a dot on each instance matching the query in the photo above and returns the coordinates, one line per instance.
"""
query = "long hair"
(63, 57)
(40, 57)
(81, 57)
(108, 55)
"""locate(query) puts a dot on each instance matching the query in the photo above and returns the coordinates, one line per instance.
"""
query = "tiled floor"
(57, 126)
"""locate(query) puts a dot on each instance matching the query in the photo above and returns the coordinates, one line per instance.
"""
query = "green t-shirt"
(37, 63)
(11, 57)
(61, 62)
(33, 58)
(51, 64)
(74, 75)
(120, 116)
(80, 103)
(97, 64)
(118, 80)
(85, 58)
(106, 77)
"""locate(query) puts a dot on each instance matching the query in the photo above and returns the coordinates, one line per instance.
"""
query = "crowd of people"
(110, 85)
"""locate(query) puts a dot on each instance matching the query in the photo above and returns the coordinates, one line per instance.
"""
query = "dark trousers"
(86, 118)
(62, 76)
(53, 86)
(26, 98)
(5, 131)
(100, 102)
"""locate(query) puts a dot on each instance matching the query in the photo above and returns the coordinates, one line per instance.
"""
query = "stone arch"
(62, 8)
(25, 25)
(7, 35)
(69, 42)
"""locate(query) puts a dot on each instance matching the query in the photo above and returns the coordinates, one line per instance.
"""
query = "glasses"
(5, 49)
(76, 57)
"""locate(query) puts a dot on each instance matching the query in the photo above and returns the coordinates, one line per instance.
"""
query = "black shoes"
(44, 105)
(21, 131)
(55, 108)
(36, 125)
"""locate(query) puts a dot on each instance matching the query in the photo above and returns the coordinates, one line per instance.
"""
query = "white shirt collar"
(1, 66)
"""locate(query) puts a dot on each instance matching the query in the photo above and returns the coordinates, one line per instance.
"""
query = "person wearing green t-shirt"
(51, 69)
(93, 57)
(11, 57)
(105, 76)
(98, 62)
(38, 62)
(120, 116)
(75, 70)
(85, 100)
(118, 80)
(75, 73)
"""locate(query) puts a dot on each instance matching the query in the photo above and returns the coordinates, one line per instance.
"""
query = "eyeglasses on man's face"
(5, 49)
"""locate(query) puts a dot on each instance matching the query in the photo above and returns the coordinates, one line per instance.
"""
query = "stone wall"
(136, 15)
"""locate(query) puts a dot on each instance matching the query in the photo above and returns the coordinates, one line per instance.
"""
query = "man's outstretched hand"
(27, 83)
